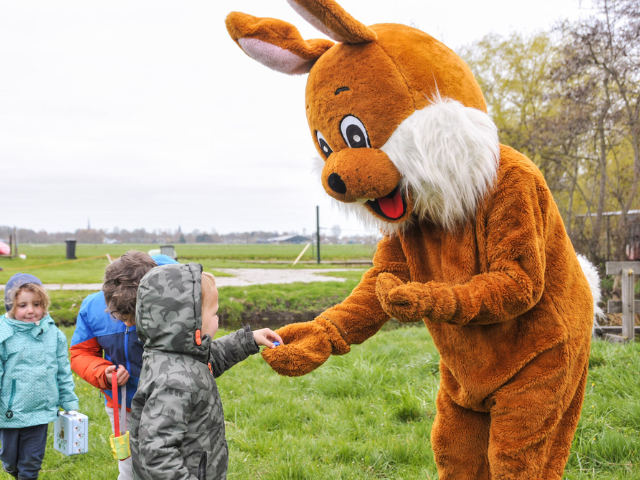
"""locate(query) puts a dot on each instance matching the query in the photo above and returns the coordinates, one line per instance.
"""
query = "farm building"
(289, 239)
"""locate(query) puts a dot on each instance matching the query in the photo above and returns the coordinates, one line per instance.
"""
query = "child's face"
(28, 307)
(209, 315)
(128, 319)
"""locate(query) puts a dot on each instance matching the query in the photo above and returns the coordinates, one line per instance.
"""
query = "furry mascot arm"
(516, 230)
(308, 345)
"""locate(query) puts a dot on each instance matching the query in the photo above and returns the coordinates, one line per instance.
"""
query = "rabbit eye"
(354, 133)
(324, 146)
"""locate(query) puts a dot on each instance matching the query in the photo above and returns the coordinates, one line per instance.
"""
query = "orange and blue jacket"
(99, 341)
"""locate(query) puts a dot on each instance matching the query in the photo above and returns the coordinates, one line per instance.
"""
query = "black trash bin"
(71, 249)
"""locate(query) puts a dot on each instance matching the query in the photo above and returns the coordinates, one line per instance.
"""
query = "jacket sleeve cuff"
(101, 377)
(248, 341)
(70, 407)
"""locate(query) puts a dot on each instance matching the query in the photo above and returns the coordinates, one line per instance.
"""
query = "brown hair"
(208, 288)
(38, 290)
(121, 280)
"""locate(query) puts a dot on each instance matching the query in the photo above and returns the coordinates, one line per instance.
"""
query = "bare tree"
(602, 54)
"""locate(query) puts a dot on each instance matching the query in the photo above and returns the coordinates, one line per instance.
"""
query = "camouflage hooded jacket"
(177, 423)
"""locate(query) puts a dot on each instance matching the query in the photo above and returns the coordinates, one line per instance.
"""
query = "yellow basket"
(120, 446)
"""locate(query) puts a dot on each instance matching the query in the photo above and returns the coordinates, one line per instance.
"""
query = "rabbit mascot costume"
(474, 245)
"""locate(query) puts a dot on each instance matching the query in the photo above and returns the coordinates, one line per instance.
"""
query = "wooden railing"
(628, 305)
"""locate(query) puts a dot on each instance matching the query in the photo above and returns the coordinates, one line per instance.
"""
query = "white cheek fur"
(448, 156)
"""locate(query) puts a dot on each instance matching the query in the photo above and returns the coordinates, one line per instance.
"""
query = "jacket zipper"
(202, 467)
(126, 349)
(126, 359)
(9, 413)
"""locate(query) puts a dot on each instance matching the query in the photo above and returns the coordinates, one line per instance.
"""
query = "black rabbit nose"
(336, 184)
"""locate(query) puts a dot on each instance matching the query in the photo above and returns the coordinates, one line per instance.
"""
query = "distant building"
(289, 239)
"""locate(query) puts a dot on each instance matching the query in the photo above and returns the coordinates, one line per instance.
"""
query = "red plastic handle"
(114, 393)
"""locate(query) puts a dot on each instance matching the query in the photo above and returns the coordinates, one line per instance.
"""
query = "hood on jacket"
(9, 326)
(169, 310)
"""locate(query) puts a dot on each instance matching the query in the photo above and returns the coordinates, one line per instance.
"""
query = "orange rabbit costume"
(473, 243)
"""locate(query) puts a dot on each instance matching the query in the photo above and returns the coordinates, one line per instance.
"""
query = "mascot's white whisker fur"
(447, 155)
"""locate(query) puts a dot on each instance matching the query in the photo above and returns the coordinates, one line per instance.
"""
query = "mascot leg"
(460, 439)
(527, 431)
(561, 446)
(535, 415)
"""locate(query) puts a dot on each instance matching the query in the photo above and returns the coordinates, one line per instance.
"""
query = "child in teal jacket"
(35, 376)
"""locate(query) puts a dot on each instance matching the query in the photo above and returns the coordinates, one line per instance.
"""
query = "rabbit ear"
(332, 20)
(275, 43)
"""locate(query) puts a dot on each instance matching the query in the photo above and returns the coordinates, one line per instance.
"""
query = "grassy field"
(49, 263)
(278, 304)
(258, 305)
(368, 415)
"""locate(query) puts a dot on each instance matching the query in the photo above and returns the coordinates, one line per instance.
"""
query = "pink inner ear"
(316, 22)
(274, 57)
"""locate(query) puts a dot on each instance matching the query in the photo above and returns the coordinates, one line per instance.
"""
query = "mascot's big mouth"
(392, 206)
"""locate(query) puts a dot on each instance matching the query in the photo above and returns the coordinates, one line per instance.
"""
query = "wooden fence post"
(628, 305)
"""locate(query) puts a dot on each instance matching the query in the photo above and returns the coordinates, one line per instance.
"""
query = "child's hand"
(266, 337)
(123, 375)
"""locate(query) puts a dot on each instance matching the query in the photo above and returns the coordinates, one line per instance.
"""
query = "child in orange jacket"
(101, 344)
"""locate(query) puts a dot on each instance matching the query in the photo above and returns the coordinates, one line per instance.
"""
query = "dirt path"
(242, 277)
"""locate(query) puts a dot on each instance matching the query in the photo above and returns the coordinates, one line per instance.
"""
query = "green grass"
(368, 415)
(218, 273)
(65, 305)
(608, 436)
(49, 263)
(282, 303)
(288, 302)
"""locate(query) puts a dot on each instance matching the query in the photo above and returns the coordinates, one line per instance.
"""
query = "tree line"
(569, 99)
(138, 235)
(141, 235)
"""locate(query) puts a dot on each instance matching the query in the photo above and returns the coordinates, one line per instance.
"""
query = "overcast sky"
(145, 114)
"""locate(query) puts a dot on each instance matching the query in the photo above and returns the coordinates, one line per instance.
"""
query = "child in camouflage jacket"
(177, 422)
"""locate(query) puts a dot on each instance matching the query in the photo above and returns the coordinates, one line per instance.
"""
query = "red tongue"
(392, 207)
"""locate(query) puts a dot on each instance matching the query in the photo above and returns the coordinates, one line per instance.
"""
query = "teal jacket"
(35, 376)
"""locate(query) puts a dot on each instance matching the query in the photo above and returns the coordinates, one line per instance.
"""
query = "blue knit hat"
(14, 283)
(163, 260)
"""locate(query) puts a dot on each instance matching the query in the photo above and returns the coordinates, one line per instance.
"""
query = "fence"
(628, 305)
